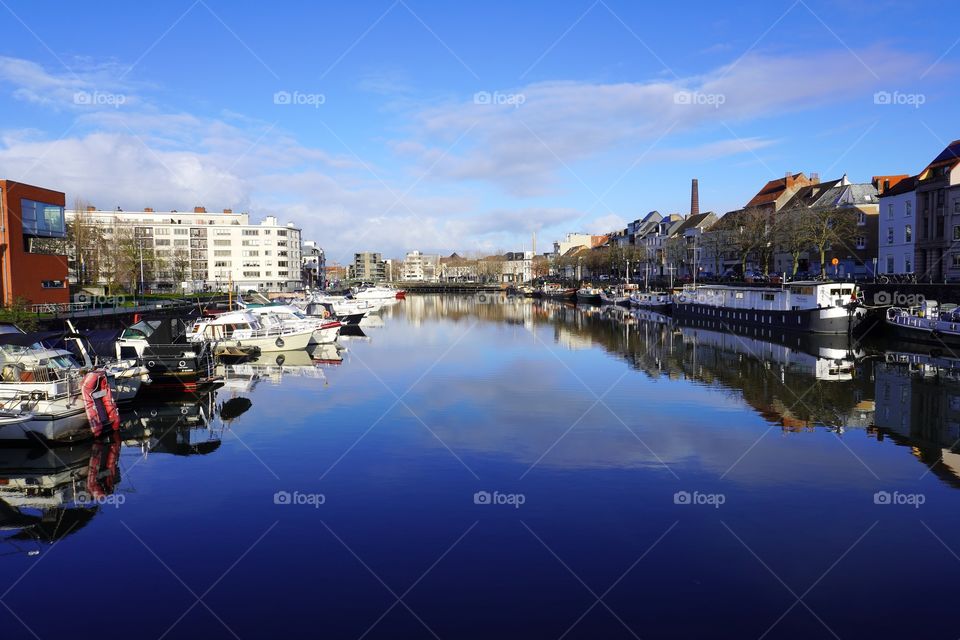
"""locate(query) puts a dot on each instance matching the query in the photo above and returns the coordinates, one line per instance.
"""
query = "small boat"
(174, 363)
(325, 330)
(928, 322)
(615, 297)
(380, 292)
(556, 291)
(589, 294)
(244, 329)
(658, 301)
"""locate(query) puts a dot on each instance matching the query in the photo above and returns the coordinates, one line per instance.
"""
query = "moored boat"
(658, 301)
(557, 291)
(814, 307)
(589, 294)
(928, 322)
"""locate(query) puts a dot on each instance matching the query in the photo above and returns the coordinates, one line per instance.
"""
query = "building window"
(162, 242)
(861, 218)
(890, 211)
(222, 253)
(181, 232)
(889, 235)
(281, 232)
(52, 284)
(161, 231)
(221, 243)
(908, 209)
(41, 219)
(250, 254)
(889, 264)
(251, 274)
(956, 260)
(861, 242)
(250, 243)
(908, 263)
(956, 232)
(908, 233)
(222, 263)
(251, 232)
(222, 232)
(181, 243)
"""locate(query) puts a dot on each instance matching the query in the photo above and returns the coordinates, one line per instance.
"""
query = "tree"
(86, 245)
(792, 235)
(712, 245)
(751, 237)
(180, 266)
(827, 226)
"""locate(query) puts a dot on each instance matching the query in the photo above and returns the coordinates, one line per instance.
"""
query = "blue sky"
(598, 111)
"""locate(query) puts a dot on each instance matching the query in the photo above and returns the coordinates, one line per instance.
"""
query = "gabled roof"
(775, 188)
(806, 196)
(692, 222)
(847, 195)
(572, 251)
(904, 186)
(948, 158)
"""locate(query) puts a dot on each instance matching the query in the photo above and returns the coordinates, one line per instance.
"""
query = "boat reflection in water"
(918, 405)
(274, 367)
(184, 427)
(46, 495)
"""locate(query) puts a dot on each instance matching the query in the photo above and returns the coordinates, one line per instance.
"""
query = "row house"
(897, 241)
(517, 267)
(937, 256)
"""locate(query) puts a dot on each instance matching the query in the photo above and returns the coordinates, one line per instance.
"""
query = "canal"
(478, 467)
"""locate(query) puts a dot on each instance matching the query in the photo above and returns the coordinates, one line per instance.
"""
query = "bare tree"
(827, 227)
(85, 241)
(792, 235)
(752, 237)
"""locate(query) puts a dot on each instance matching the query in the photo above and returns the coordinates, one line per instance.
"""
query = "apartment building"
(198, 250)
(368, 266)
(421, 267)
(313, 264)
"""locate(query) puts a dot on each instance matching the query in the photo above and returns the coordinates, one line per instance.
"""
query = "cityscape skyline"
(404, 126)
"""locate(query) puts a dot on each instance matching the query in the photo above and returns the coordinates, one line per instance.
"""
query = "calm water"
(516, 470)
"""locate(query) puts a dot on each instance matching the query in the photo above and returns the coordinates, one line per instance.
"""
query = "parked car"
(754, 277)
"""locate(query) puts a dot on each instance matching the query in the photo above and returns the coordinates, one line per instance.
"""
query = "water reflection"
(799, 383)
(48, 494)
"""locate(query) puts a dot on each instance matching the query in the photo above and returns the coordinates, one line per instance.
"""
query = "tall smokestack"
(694, 197)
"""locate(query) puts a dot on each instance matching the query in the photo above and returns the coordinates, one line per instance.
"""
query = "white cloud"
(525, 148)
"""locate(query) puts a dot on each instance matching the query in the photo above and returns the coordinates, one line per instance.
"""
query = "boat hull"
(830, 320)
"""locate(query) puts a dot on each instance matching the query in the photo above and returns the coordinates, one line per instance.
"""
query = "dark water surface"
(515, 470)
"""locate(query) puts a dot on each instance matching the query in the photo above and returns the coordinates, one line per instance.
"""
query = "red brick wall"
(24, 272)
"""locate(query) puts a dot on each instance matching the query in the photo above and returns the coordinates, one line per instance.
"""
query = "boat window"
(738, 295)
(769, 296)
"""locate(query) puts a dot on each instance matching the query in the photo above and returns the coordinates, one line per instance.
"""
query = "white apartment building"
(897, 241)
(212, 251)
(419, 267)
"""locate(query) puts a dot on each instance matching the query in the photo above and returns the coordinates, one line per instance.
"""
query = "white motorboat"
(379, 292)
(325, 331)
(44, 386)
(243, 328)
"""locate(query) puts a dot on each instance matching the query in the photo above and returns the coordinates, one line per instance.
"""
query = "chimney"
(90, 207)
(815, 177)
(147, 210)
(228, 210)
(694, 197)
(199, 210)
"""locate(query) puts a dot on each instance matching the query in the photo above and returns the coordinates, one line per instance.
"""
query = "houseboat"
(556, 291)
(812, 307)
(589, 295)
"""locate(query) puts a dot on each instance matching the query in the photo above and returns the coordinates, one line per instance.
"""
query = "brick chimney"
(147, 210)
(199, 210)
(90, 207)
(694, 197)
(228, 210)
